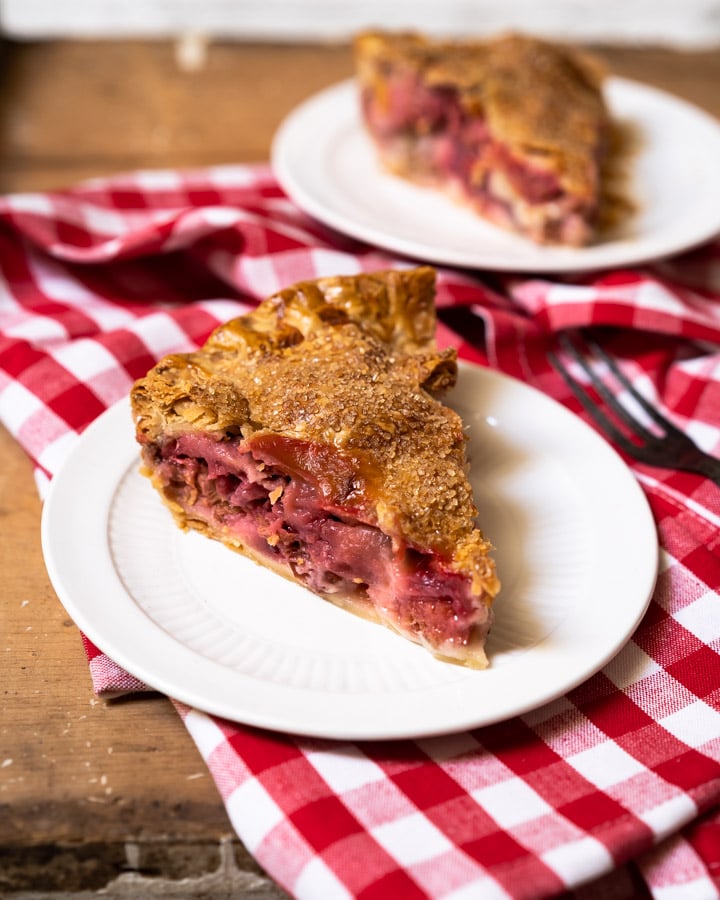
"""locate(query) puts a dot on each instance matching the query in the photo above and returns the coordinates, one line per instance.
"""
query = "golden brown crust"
(540, 99)
(347, 364)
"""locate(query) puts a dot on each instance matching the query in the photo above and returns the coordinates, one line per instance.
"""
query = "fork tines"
(650, 438)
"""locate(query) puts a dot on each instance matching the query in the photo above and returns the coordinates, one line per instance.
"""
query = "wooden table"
(92, 789)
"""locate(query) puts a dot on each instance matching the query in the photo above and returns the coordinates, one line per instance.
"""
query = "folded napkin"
(612, 790)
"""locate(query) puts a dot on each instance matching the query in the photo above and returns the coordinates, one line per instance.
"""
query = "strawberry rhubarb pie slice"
(308, 436)
(515, 127)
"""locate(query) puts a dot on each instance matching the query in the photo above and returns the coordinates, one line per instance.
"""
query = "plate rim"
(150, 639)
(540, 260)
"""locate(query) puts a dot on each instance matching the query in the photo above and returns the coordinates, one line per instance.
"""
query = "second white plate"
(324, 160)
(577, 555)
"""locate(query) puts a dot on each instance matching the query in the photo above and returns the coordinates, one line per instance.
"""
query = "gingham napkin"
(610, 791)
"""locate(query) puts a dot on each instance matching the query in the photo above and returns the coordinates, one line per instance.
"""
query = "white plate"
(324, 160)
(577, 554)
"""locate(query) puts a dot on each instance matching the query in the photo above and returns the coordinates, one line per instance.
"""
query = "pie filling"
(425, 134)
(249, 493)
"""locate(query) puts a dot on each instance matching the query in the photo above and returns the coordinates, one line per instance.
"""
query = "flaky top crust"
(539, 98)
(347, 363)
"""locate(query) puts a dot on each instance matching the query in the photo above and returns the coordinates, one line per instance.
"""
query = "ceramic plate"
(576, 551)
(326, 163)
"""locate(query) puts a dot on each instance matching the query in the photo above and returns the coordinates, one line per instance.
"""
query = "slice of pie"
(307, 435)
(514, 127)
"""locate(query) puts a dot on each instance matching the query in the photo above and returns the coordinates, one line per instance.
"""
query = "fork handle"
(708, 466)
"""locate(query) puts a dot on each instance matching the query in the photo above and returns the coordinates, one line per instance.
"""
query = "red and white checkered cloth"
(610, 791)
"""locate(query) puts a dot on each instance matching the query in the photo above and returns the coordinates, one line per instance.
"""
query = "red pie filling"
(316, 529)
(425, 133)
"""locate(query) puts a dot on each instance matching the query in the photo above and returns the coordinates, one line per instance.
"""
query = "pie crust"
(514, 127)
(308, 436)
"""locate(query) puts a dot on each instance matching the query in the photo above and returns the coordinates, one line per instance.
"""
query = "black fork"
(664, 445)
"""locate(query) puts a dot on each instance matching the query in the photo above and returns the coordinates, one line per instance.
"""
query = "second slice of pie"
(515, 127)
(308, 436)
